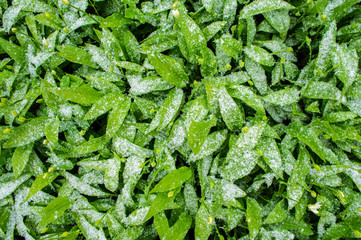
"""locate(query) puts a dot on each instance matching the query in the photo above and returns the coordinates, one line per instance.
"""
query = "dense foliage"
(197, 119)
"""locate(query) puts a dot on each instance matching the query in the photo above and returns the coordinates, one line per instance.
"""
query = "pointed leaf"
(173, 180)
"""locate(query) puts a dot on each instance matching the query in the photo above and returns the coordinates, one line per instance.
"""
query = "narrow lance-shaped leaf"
(192, 34)
(328, 40)
(41, 182)
(103, 105)
(283, 97)
(203, 228)
(90, 146)
(169, 110)
(280, 20)
(230, 111)
(271, 155)
(248, 97)
(81, 95)
(173, 180)
(51, 130)
(179, 230)
(278, 214)
(161, 224)
(212, 29)
(14, 51)
(254, 217)
(297, 178)
(76, 55)
(262, 6)
(117, 116)
(9, 187)
(212, 143)
(259, 55)
(83, 187)
(27, 133)
(198, 132)
(53, 210)
(257, 74)
(167, 68)
(161, 202)
(322, 90)
(89, 231)
(240, 158)
(111, 177)
(347, 62)
(20, 159)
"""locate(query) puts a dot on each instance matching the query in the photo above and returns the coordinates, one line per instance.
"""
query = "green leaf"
(247, 140)
(278, 214)
(81, 95)
(115, 20)
(15, 52)
(50, 20)
(111, 176)
(262, 6)
(348, 65)
(83, 187)
(40, 182)
(192, 34)
(27, 133)
(75, 55)
(310, 138)
(124, 147)
(198, 132)
(130, 233)
(259, 55)
(322, 90)
(51, 130)
(169, 110)
(212, 29)
(271, 155)
(297, 179)
(116, 117)
(53, 210)
(179, 230)
(20, 159)
(240, 158)
(231, 114)
(227, 193)
(257, 74)
(161, 202)
(130, 66)
(246, 95)
(231, 46)
(283, 97)
(90, 146)
(103, 105)
(89, 231)
(339, 116)
(161, 224)
(326, 45)
(253, 217)
(212, 143)
(203, 228)
(280, 20)
(209, 64)
(167, 68)
(8, 187)
(173, 180)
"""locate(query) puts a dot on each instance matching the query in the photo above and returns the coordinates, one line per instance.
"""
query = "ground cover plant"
(209, 119)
